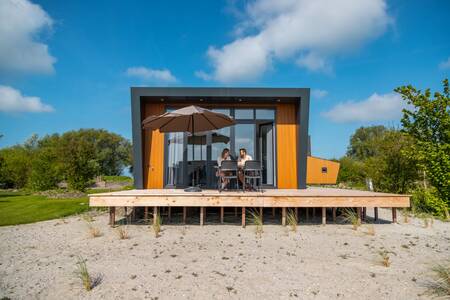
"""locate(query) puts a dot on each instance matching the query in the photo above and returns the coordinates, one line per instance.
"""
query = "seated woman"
(243, 157)
(224, 156)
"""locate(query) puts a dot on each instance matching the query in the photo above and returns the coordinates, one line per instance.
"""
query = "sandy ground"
(37, 261)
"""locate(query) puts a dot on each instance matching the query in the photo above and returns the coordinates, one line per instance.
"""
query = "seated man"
(243, 157)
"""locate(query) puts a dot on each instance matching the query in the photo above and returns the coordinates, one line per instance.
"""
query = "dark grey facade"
(140, 95)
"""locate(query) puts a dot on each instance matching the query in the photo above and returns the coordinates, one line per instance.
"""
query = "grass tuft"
(292, 220)
(385, 259)
(83, 273)
(94, 231)
(351, 216)
(371, 230)
(157, 225)
(256, 219)
(427, 221)
(122, 233)
(440, 285)
(405, 214)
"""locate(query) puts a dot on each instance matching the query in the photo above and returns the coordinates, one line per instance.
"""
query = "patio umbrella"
(191, 119)
(200, 139)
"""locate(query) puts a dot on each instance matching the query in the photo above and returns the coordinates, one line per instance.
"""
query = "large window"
(254, 131)
(244, 137)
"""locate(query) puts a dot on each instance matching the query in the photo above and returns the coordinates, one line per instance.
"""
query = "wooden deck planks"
(270, 198)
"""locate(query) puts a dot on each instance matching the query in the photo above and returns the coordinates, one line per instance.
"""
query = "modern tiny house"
(271, 123)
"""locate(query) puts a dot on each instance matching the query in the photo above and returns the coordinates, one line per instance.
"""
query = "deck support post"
(221, 214)
(358, 212)
(184, 214)
(243, 217)
(155, 214)
(324, 215)
(112, 215)
(314, 213)
(169, 214)
(394, 215)
(202, 216)
(133, 214)
(283, 216)
(307, 214)
(235, 212)
(146, 213)
(273, 211)
(375, 213)
(364, 214)
(296, 214)
(334, 214)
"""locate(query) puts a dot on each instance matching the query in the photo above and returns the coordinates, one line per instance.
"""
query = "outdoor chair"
(230, 169)
(253, 172)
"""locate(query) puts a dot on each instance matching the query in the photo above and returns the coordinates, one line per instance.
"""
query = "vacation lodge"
(270, 123)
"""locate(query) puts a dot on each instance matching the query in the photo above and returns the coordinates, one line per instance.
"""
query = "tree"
(46, 171)
(14, 167)
(428, 122)
(391, 168)
(79, 163)
(363, 142)
(76, 156)
(351, 171)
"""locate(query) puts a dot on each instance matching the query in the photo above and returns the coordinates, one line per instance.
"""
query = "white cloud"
(20, 24)
(147, 74)
(318, 94)
(314, 62)
(203, 75)
(375, 108)
(445, 64)
(310, 32)
(12, 100)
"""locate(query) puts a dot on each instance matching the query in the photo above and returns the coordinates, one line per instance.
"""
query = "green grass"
(106, 190)
(117, 179)
(21, 208)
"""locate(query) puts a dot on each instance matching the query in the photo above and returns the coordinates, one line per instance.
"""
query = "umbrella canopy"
(188, 119)
(200, 139)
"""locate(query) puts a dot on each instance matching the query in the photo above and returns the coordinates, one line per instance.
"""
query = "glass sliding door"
(175, 165)
(196, 165)
(266, 152)
(254, 130)
(244, 137)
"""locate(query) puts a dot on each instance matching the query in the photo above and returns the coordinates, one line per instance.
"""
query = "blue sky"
(69, 64)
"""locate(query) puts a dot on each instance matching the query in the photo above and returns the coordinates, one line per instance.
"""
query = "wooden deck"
(275, 198)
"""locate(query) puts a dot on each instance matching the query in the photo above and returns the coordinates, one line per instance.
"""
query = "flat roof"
(220, 92)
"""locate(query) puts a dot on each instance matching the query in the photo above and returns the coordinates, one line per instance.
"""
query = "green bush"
(44, 174)
(426, 201)
(117, 179)
(351, 172)
(75, 156)
(14, 167)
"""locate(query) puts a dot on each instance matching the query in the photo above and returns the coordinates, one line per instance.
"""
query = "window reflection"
(245, 138)
(265, 114)
(175, 158)
(243, 114)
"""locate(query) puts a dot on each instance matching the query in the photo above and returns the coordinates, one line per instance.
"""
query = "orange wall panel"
(286, 146)
(314, 173)
(153, 150)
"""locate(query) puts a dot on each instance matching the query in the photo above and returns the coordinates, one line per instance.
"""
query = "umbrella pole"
(193, 188)
(193, 152)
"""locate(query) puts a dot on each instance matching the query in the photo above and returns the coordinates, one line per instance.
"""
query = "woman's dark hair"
(225, 150)
(243, 150)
